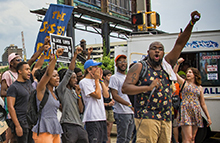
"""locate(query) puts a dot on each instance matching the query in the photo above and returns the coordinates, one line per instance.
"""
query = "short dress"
(49, 122)
(190, 107)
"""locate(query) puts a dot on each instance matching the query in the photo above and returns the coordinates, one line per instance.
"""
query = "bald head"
(156, 43)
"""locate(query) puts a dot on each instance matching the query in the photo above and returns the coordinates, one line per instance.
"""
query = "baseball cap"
(90, 63)
(12, 56)
(119, 56)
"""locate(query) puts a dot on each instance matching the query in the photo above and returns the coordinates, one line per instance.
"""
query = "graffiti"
(202, 44)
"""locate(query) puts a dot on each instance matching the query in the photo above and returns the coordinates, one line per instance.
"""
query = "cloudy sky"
(15, 17)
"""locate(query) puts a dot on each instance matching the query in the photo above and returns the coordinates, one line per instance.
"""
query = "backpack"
(143, 71)
(176, 99)
(32, 112)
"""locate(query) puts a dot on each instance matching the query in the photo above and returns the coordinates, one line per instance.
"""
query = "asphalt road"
(210, 140)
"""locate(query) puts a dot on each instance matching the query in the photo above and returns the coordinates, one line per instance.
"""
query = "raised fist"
(78, 50)
(195, 16)
(59, 51)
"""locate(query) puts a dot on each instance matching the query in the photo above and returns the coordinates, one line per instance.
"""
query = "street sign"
(64, 42)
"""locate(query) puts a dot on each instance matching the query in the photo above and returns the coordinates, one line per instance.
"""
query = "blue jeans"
(125, 127)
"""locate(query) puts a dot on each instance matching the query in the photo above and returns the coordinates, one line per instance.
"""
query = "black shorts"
(73, 133)
(97, 131)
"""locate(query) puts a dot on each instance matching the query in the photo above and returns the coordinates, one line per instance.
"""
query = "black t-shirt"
(21, 91)
(107, 100)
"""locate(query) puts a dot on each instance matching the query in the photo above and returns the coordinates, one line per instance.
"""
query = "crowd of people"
(91, 102)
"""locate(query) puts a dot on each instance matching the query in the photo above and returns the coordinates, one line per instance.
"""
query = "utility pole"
(22, 36)
(105, 29)
(70, 31)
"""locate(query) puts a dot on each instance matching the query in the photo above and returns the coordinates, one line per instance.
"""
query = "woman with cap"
(93, 90)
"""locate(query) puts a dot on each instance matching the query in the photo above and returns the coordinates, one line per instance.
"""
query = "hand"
(156, 83)
(78, 50)
(97, 74)
(59, 51)
(77, 89)
(101, 73)
(180, 60)
(90, 50)
(46, 45)
(111, 103)
(195, 18)
(19, 131)
(209, 122)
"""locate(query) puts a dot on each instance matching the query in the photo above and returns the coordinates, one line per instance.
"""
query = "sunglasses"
(18, 60)
(120, 62)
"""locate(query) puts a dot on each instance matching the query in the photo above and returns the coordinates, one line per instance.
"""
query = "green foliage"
(61, 65)
(80, 65)
(107, 63)
(4, 69)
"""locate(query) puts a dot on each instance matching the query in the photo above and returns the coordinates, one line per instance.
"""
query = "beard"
(154, 63)
(120, 69)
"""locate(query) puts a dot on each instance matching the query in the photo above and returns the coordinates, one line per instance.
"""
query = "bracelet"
(79, 96)
(177, 63)
(130, 106)
(101, 80)
(44, 53)
(191, 23)
(55, 56)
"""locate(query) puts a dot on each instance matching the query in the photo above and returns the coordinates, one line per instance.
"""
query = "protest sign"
(66, 43)
(55, 21)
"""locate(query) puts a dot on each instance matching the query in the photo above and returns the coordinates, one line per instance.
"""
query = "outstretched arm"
(89, 53)
(180, 80)
(47, 75)
(37, 54)
(73, 61)
(38, 65)
(181, 41)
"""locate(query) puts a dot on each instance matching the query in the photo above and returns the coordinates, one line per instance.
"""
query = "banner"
(66, 43)
(55, 21)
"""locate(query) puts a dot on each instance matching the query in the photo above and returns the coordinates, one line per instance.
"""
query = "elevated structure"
(104, 17)
(98, 49)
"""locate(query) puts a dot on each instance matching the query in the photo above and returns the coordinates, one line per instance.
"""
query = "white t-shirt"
(116, 81)
(94, 108)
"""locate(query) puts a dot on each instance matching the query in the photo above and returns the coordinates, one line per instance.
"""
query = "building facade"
(11, 49)
(98, 49)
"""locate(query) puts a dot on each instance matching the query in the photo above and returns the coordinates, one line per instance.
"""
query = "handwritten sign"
(66, 43)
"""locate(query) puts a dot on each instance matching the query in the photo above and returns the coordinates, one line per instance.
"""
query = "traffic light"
(138, 19)
(155, 19)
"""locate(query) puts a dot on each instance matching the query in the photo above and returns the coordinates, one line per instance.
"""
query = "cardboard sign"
(66, 43)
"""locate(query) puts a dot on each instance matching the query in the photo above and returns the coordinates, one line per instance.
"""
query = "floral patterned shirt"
(159, 105)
